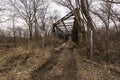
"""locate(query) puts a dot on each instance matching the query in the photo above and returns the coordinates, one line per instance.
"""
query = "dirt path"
(66, 68)
(70, 68)
(39, 74)
(69, 65)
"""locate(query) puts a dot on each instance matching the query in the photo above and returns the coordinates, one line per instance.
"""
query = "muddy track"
(39, 74)
(70, 69)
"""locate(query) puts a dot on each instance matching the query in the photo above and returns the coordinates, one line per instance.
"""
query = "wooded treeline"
(33, 14)
(37, 16)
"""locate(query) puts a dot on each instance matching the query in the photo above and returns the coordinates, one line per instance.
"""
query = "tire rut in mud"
(69, 69)
(70, 66)
(39, 74)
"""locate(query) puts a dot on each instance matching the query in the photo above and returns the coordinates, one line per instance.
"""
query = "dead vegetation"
(19, 63)
(21, 47)
(107, 48)
(27, 63)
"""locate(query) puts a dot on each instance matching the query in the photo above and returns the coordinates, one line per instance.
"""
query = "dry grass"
(90, 70)
(58, 68)
(21, 62)
(18, 63)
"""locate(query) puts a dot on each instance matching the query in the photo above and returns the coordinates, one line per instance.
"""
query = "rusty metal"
(55, 25)
(64, 29)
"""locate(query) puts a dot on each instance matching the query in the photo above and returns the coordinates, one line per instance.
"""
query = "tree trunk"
(85, 10)
(30, 31)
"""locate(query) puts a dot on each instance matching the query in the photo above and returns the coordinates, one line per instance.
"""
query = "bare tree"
(28, 10)
(81, 10)
(108, 14)
(53, 17)
(2, 9)
(14, 31)
(112, 1)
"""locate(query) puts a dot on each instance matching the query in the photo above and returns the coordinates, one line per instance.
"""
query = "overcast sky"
(62, 10)
(53, 6)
